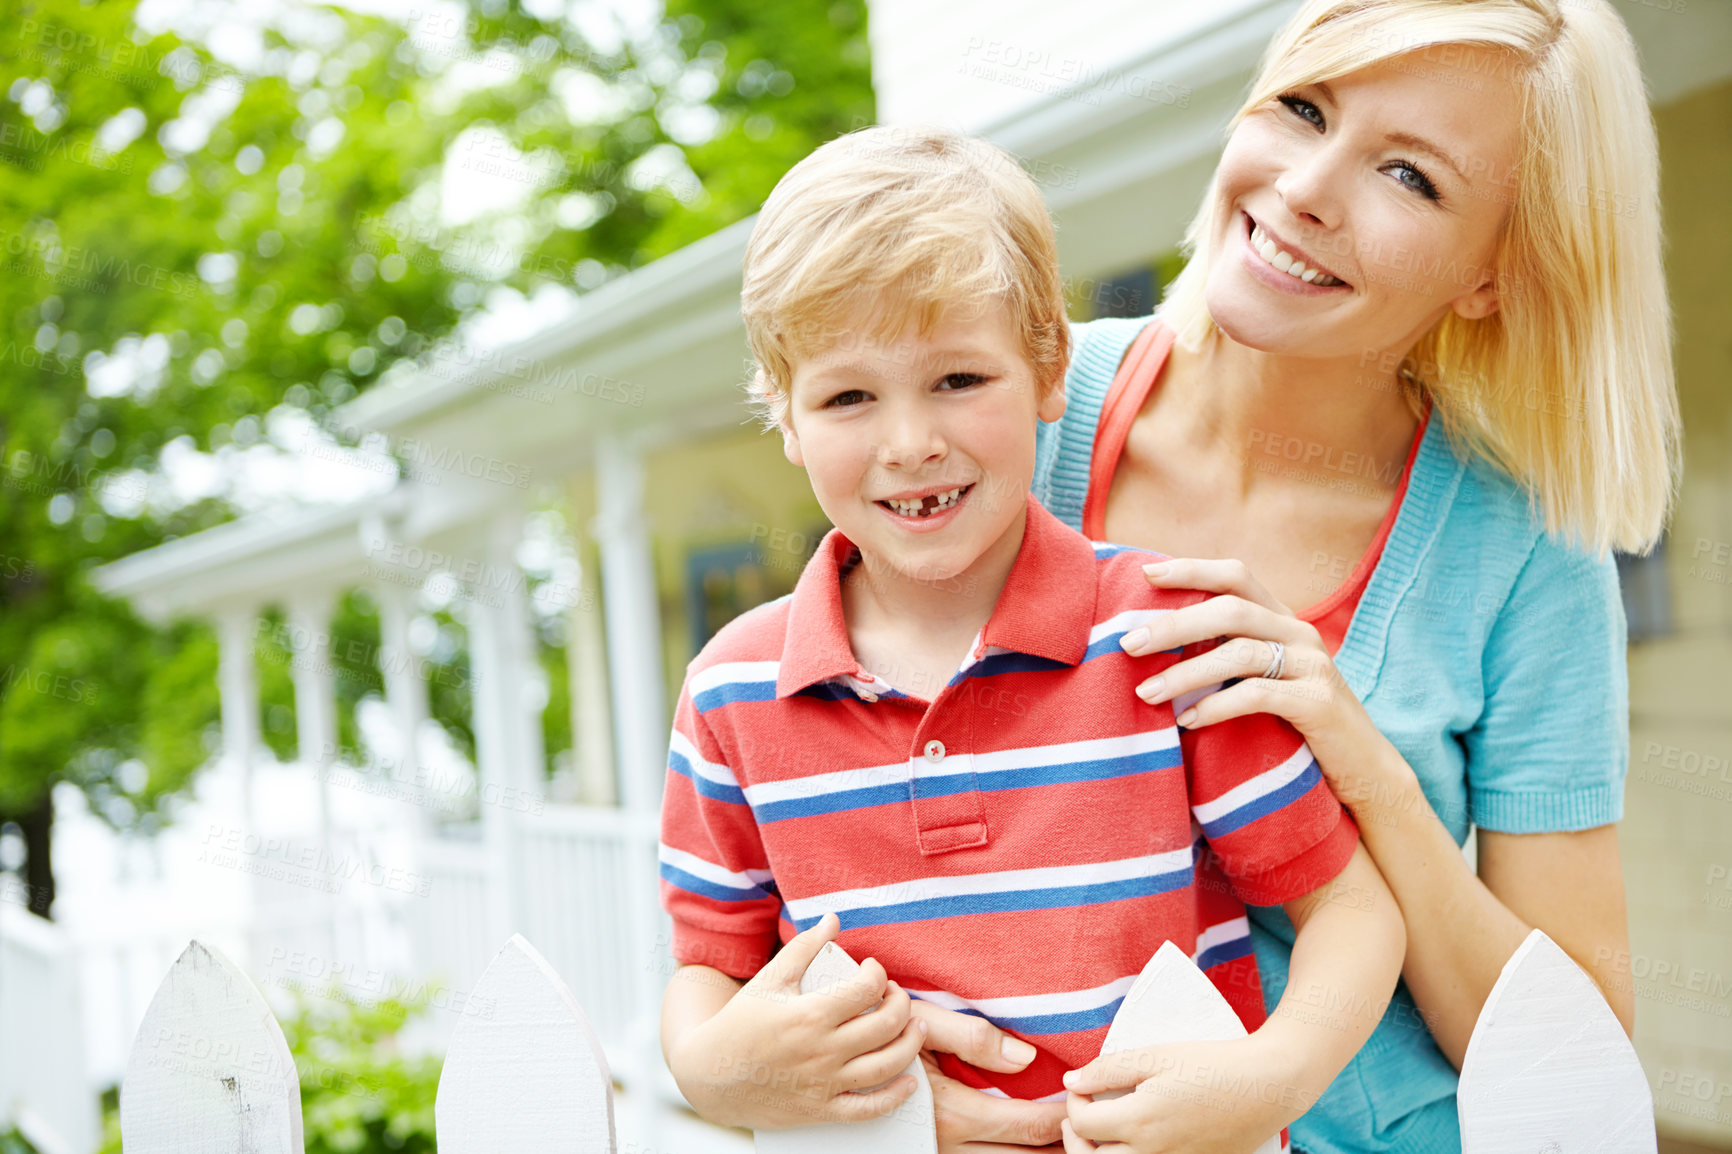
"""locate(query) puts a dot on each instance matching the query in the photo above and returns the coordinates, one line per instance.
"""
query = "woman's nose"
(1310, 187)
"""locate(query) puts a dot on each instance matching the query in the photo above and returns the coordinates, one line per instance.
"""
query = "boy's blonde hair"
(1568, 386)
(901, 224)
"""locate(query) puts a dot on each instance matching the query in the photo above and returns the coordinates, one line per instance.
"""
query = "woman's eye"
(845, 398)
(1304, 109)
(1420, 182)
(962, 380)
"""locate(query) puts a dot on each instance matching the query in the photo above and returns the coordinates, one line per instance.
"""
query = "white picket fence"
(1548, 1070)
(42, 1089)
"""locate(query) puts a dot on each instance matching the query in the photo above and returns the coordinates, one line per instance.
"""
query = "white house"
(627, 414)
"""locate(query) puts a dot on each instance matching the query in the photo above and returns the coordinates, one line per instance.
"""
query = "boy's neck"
(898, 624)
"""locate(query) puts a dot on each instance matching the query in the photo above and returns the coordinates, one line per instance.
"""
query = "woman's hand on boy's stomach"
(774, 1057)
(971, 1122)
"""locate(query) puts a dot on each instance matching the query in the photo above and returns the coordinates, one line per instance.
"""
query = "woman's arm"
(1461, 928)
(1231, 1096)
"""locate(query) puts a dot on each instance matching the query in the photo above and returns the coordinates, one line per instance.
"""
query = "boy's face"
(921, 451)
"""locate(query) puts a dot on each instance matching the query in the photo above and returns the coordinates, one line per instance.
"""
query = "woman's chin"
(1259, 325)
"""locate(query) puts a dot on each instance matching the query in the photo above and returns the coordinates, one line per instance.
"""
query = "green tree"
(194, 246)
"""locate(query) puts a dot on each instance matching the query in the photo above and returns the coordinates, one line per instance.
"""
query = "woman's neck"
(1248, 407)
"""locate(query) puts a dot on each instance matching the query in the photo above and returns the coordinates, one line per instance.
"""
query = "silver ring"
(1278, 663)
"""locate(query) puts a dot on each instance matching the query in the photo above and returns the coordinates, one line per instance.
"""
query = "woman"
(1416, 379)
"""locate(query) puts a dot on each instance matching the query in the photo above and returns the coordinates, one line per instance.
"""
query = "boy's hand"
(1195, 1097)
(774, 1058)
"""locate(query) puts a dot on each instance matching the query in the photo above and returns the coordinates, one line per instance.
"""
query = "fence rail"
(1548, 1068)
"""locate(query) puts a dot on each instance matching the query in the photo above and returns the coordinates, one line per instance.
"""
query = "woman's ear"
(1481, 302)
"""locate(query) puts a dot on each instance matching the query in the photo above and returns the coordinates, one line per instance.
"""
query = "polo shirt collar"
(1046, 609)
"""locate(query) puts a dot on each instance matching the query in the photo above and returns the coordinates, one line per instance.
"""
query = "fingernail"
(1158, 569)
(1135, 638)
(921, 1022)
(1070, 1080)
(1151, 689)
(1188, 718)
(1016, 1050)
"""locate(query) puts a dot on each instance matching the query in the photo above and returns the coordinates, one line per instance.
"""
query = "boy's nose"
(910, 443)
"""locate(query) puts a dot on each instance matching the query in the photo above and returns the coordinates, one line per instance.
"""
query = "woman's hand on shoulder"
(1281, 663)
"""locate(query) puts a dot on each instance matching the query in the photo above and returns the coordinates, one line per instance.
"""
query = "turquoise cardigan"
(1490, 653)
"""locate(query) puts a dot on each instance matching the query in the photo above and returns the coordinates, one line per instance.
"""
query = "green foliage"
(359, 1093)
(12, 1142)
(195, 253)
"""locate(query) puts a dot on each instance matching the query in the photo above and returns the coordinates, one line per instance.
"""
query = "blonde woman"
(1411, 388)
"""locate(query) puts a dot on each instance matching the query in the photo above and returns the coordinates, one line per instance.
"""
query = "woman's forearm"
(1459, 934)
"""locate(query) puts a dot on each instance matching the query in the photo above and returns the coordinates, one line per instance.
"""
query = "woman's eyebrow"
(1424, 145)
(1406, 139)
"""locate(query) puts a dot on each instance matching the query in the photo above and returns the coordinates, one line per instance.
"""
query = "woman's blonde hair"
(1568, 386)
(900, 224)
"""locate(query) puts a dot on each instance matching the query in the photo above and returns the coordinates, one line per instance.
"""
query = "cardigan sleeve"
(1551, 748)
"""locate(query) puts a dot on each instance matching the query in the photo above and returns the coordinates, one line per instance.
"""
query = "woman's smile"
(1281, 269)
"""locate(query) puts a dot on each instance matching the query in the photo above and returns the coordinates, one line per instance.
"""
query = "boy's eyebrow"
(849, 364)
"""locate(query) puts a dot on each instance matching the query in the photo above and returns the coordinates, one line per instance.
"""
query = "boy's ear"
(1052, 401)
(791, 442)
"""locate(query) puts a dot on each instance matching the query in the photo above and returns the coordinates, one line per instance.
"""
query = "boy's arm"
(752, 1050)
(1346, 959)
(1234, 1095)
(761, 1054)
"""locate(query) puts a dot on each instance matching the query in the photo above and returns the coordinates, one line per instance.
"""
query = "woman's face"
(1392, 182)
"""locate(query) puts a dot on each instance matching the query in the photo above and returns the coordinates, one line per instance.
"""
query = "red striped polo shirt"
(1017, 847)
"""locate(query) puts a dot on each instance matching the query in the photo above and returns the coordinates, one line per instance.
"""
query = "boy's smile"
(920, 448)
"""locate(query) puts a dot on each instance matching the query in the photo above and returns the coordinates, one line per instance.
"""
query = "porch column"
(586, 658)
(634, 657)
(405, 682)
(309, 625)
(309, 622)
(633, 616)
(238, 689)
(509, 694)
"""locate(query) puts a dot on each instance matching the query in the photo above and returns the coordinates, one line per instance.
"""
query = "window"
(1647, 597)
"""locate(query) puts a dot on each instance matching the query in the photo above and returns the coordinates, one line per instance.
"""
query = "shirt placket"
(949, 812)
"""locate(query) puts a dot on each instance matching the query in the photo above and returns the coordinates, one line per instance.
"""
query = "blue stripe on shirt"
(1010, 901)
(1267, 804)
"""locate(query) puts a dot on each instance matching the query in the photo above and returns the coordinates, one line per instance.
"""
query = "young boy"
(934, 742)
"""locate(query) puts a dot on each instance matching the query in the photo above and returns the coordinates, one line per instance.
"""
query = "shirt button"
(935, 750)
(868, 695)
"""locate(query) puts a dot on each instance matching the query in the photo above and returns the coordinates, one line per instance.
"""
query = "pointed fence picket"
(532, 1076)
(210, 1072)
(1548, 1069)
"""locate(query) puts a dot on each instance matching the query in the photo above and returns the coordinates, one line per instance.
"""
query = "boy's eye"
(845, 398)
(962, 380)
